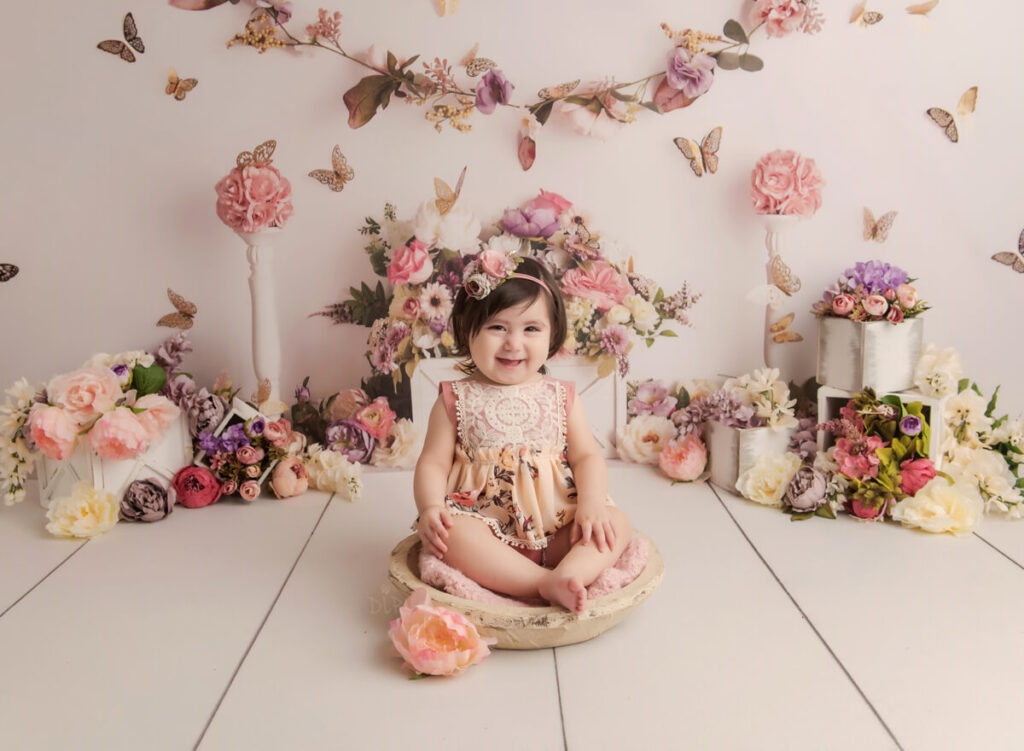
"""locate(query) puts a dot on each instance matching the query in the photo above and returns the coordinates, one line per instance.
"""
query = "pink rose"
(411, 308)
(52, 431)
(253, 471)
(597, 281)
(434, 640)
(119, 435)
(862, 510)
(289, 478)
(159, 413)
(249, 490)
(376, 418)
(875, 305)
(551, 201)
(683, 459)
(895, 315)
(84, 394)
(842, 305)
(780, 17)
(907, 295)
(495, 263)
(230, 200)
(784, 182)
(276, 432)
(253, 198)
(196, 487)
(347, 403)
(249, 454)
(229, 487)
(889, 294)
(915, 474)
(410, 264)
(261, 184)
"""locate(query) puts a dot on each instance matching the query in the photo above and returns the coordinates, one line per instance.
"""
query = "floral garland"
(595, 108)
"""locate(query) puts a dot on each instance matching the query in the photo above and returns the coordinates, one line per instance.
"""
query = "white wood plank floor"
(263, 626)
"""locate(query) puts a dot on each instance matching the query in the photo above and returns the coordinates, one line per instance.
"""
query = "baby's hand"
(433, 530)
(593, 522)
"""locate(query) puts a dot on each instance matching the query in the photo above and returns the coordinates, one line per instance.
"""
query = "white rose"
(456, 230)
(396, 234)
(100, 360)
(87, 512)
(505, 243)
(644, 437)
(941, 507)
(766, 481)
(938, 371)
(617, 314)
(405, 444)
(645, 317)
(988, 471)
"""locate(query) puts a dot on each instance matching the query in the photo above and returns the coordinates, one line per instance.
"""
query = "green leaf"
(825, 511)
(751, 63)
(734, 30)
(583, 101)
(668, 332)
(992, 402)
(543, 112)
(409, 62)
(962, 384)
(801, 516)
(728, 60)
(392, 62)
(367, 304)
(622, 97)
(379, 262)
(148, 380)
(366, 97)
(651, 106)
(976, 389)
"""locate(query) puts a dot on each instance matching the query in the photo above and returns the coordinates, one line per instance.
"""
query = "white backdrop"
(108, 191)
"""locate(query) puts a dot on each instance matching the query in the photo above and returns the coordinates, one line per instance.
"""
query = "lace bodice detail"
(531, 415)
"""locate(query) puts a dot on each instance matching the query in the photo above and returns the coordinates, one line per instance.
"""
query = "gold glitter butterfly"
(703, 158)
(447, 7)
(966, 105)
(259, 156)
(340, 173)
(262, 392)
(782, 277)
(922, 9)
(479, 65)
(581, 242)
(446, 197)
(8, 271)
(878, 230)
(866, 17)
(1016, 262)
(557, 92)
(131, 36)
(184, 315)
(178, 87)
(780, 331)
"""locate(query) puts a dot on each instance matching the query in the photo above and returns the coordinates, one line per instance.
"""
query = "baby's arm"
(431, 480)
(591, 474)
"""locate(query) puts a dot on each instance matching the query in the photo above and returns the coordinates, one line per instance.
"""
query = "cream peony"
(938, 371)
(941, 507)
(645, 317)
(401, 448)
(766, 481)
(333, 472)
(965, 417)
(87, 512)
(644, 437)
(456, 230)
(989, 473)
(434, 640)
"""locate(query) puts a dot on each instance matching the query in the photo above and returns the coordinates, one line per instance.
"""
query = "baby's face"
(512, 346)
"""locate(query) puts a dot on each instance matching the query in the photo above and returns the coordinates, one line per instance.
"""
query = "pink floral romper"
(510, 468)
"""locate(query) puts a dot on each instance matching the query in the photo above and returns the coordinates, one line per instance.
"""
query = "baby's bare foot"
(567, 591)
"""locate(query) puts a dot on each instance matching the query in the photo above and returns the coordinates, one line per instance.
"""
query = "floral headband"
(491, 269)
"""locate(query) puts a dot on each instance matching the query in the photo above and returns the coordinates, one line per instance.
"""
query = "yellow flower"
(87, 512)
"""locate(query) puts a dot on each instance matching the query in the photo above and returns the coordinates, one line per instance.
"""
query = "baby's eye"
(495, 327)
(533, 328)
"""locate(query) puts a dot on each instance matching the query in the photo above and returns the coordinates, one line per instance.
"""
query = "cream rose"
(87, 512)
(644, 437)
(766, 481)
(402, 447)
(941, 507)
(617, 314)
(645, 317)
(333, 472)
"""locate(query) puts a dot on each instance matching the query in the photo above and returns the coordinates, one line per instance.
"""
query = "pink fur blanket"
(442, 576)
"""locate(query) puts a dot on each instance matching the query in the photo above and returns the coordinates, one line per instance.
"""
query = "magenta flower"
(530, 222)
(493, 89)
(691, 73)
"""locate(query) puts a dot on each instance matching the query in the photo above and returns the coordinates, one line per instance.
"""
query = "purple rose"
(652, 398)
(255, 426)
(180, 389)
(170, 354)
(911, 425)
(493, 89)
(146, 501)
(348, 437)
(205, 412)
(806, 491)
(528, 222)
(691, 73)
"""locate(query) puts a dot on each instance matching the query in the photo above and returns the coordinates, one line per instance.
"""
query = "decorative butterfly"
(340, 173)
(1016, 262)
(469, 56)
(705, 157)
(557, 92)
(966, 105)
(178, 87)
(131, 36)
(782, 277)
(581, 243)
(866, 17)
(8, 271)
(183, 318)
(878, 230)
(262, 392)
(922, 9)
(446, 197)
(258, 156)
(780, 331)
(263, 402)
(447, 7)
(479, 65)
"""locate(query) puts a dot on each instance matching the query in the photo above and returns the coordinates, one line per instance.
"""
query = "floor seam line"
(1001, 552)
(263, 622)
(558, 690)
(809, 622)
(49, 573)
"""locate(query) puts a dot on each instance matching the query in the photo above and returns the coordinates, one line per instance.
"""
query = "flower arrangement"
(871, 291)
(254, 196)
(434, 640)
(784, 182)
(453, 93)
(652, 435)
(243, 451)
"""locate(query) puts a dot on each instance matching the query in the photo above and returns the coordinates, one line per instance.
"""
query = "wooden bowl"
(532, 627)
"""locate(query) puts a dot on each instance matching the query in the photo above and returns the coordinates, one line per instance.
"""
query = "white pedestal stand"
(266, 341)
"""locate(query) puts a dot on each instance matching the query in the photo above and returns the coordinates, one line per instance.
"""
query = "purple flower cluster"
(348, 437)
(228, 442)
(875, 276)
(721, 406)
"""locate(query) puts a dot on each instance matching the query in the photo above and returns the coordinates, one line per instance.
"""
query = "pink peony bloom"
(495, 263)
(434, 640)
(652, 398)
(683, 459)
(895, 315)
(596, 281)
(119, 435)
(84, 394)
(410, 264)
(907, 295)
(551, 201)
(875, 305)
(784, 182)
(289, 478)
(376, 418)
(276, 432)
(915, 474)
(249, 490)
(690, 72)
(780, 17)
(842, 305)
(52, 431)
(160, 413)
(196, 487)
(858, 460)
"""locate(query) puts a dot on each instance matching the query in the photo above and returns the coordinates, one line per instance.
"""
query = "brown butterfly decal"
(179, 87)
(866, 17)
(262, 392)
(581, 243)
(340, 173)
(470, 56)
(447, 7)
(878, 230)
(782, 277)
(557, 92)
(259, 156)
(922, 9)
(703, 158)
(479, 65)
(8, 271)
(131, 36)
(184, 315)
(446, 197)
(780, 331)
(968, 102)
(1016, 262)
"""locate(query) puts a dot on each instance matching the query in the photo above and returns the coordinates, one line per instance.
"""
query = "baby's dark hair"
(469, 314)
